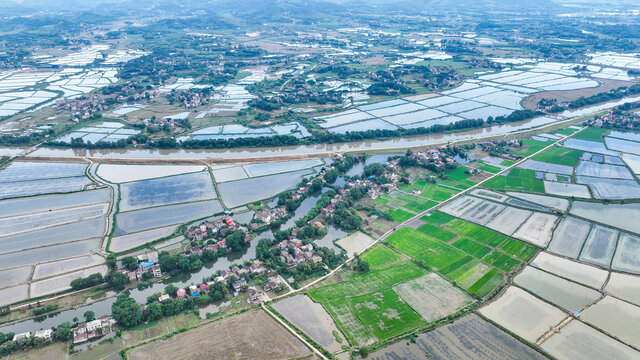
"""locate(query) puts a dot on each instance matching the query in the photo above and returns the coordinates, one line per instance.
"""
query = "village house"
(24, 335)
(44, 334)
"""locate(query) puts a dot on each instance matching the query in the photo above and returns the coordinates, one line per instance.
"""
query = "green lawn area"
(560, 156)
(591, 133)
(437, 232)
(437, 218)
(345, 302)
(381, 256)
(517, 179)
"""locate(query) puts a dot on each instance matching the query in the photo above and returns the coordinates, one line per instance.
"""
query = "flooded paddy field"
(225, 173)
(60, 283)
(35, 221)
(461, 205)
(133, 240)
(139, 220)
(632, 161)
(546, 167)
(548, 201)
(592, 169)
(52, 202)
(617, 215)
(537, 229)
(627, 254)
(489, 195)
(626, 146)
(121, 173)
(579, 341)
(611, 189)
(509, 220)
(42, 186)
(165, 191)
(566, 294)
(599, 246)
(523, 314)
(482, 213)
(562, 189)
(590, 146)
(240, 192)
(68, 265)
(616, 317)
(312, 319)
(355, 242)
(572, 270)
(569, 236)
(25, 171)
(469, 337)
(624, 286)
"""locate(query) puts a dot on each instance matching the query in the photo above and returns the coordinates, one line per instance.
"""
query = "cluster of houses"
(500, 148)
(624, 120)
(83, 108)
(437, 156)
(218, 229)
(93, 329)
(44, 335)
(293, 252)
(147, 263)
(266, 216)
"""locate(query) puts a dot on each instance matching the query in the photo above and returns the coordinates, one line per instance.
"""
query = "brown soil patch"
(252, 335)
(531, 102)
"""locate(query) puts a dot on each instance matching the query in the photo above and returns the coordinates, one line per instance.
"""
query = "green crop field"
(360, 326)
(423, 248)
(487, 283)
(381, 256)
(476, 232)
(501, 261)
(560, 156)
(458, 174)
(385, 313)
(471, 247)
(519, 249)
(430, 190)
(490, 168)
(591, 133)
(531, 146)
(437, 232)
(565, 131)
(517, 179)
(437, 218)
(443, 193)
(399, 215)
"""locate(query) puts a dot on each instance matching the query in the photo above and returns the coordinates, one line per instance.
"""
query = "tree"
(235, 241)
(130, 263)
(63, 332)
(316, 185)
(374, 169)
(126, 311)
(218, 291)
(117, 280)
(89, 315)
(112, 261)
(362, 265)
(170, 290)
(154, 311)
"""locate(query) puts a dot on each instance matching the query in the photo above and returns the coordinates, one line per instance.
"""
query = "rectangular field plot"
(311, 318)
(382, 104)
(580, 341)
(523, 314)
(460, 107)
(617, 318)
(490, 195)
(414, 117)
(241, 192)
(231, 173)
(588, 168)
(469, 337)
(624, 286)
(14, 294)
(439, 100)
(15, 276)
(566, 294)
(336, 299)
(509, 220)
(633, 161)
(591, 146)
(134, 221)
(394, 110)
(165, 191)
(548, 201)
(471, 247)
(23, 171)
(612, 189)
(599, 246)
(517, 179)
(546, 167)
(616, 215)
(52, 202)
(432, 296)
(270, 168)
(45, 186)
(61, 283)
(485, 112)
(344, 118)
(67, 265)
(501, 261)
(381, 256)
(130, 241)
(556, 188)
(483, 212)
(119, 173)
(437, 232)
(385, 313)
(460, 206)
(372, 124)
(578, 272)
(627, 257)
(423, 248)
(537, 229)
(28, 223)
(625, 146)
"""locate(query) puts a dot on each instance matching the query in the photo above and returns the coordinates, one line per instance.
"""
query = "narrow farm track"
(435, 207)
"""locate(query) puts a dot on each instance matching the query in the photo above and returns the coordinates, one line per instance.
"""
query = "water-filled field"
(617, 215)
(627, 254)
(612, 189)
(240, 192)
(572, 270)
(120, 173)
(599, 246)
(166, 191)
(537, 229)
(616, 317)
(569, 236)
